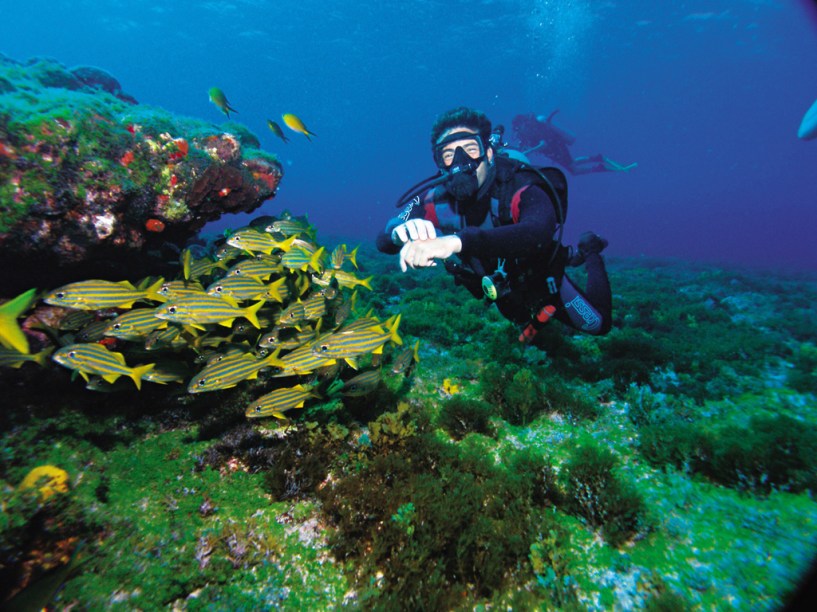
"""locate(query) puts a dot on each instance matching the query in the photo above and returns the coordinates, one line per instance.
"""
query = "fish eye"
(172, 310)
(219, 289)
(72, 354)
(324, 347)
(60, 295)
(258, 408)
(116, 325)
(201, 382)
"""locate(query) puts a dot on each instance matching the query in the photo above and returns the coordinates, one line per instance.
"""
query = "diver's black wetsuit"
(526, 242)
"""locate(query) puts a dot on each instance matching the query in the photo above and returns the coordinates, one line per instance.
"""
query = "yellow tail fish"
(295, 124)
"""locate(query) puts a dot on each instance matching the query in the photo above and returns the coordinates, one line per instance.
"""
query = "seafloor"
(669, 465)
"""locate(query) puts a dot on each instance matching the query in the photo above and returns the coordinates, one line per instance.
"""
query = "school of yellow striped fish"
(268, 304)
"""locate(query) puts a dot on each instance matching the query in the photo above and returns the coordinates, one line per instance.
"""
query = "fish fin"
(139, 371)
(353, 257)
(315, 260)
(230, 300)
(352, 361)
(109, 378)
(273, 289)
(273, 361)
(152, 292)
(367, 282)
(41, 358)
(187, 260)
(11, 335)
(394, 336)
(286, 245)
(127, 285)
(227, 322)
(250, 313)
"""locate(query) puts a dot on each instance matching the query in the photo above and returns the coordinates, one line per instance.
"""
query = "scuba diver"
(537, 134)
(504, 219)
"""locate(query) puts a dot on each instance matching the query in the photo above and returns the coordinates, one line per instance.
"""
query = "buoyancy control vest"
(511, 179)
(530, 282)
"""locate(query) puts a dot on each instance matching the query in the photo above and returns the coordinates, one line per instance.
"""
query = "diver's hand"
(415, 229)
(422, 253)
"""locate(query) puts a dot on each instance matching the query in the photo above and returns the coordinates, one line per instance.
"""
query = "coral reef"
(92, 182)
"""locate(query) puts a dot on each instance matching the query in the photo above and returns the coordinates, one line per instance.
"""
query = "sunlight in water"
(558, 35)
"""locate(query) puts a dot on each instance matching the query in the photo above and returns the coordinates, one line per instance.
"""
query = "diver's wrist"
(455, 242)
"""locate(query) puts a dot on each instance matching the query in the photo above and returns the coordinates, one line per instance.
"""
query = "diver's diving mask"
(459, 152)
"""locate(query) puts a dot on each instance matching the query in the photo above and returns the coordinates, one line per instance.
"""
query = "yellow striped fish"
(292, 315)
(226, 253)
(314, 307)
(204, 267)
(344, 344)
(93, 332)
(362, 384)
(299, 258)
(199, 309)
(254, 241)
(238, 287)
(167, 372)
(273, 339)
(343, 278)
(230, 371)
(100, 294)
(167, 338)
(279, 401)
(96, 359)
(337, 256)
(174, 289)
(301, 361)
(134, 325)
(227, 351)
(290, 227)
(74, 320)
(406, 359)
(340, 255)
(259, 267)
(12, 358)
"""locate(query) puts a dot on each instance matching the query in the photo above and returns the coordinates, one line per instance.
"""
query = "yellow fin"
(11, 335)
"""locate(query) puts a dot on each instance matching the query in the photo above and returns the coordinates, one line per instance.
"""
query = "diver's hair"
(462, 116)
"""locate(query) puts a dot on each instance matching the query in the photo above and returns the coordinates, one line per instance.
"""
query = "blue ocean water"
(706, 95)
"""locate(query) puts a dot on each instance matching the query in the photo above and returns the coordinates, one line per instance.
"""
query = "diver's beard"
(462, 186)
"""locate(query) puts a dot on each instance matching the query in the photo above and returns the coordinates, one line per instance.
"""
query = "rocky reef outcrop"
(92, 183)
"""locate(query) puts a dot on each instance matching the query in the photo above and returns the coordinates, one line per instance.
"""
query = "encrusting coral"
(91, 181)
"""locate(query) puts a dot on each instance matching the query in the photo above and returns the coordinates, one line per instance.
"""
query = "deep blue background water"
(706, 95)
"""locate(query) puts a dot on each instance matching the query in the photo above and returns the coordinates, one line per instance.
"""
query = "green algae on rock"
(90, 180)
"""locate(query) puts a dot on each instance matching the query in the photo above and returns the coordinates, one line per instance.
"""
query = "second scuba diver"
(504, 219)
